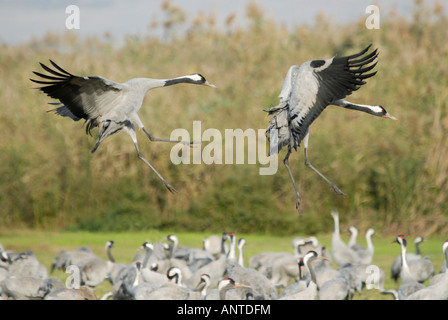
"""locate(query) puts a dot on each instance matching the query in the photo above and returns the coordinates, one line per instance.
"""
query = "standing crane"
(260, 285)
(409, 284)
(365, 254)
(106, 104)
(438, 290)
(309, 293)
(342, 254)
(307, 90)
(396, 265)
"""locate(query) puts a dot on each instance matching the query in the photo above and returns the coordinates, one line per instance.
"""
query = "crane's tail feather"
(278, 132)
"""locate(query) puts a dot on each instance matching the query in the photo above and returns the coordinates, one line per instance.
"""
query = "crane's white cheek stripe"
(195, 77)
(235, 146)
(377, 109)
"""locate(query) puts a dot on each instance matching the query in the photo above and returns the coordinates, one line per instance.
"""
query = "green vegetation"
(395, 173)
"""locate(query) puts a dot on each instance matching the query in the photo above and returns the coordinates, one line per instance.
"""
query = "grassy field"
(45, 245)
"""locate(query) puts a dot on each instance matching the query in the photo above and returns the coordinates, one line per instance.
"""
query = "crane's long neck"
(374, 110)
(171, 251)
(240, 256)
(307, 263)
(143, 85)
(336, 224)
(109, 254)
(406, 274)
(183, 79)
(137, 276)
(445, 251)
(148, 252)
(223, 244)
(369, 242)
(417, 248)
(353, 236)
(222, 293)
(204, 289)
(178, 279)
(301, 277)
(231, 255)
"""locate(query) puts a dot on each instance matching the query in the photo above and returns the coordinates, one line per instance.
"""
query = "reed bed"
(395, 173)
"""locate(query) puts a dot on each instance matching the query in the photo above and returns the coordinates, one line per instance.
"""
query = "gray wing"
(331, 79)
(288, 84)
(81, 97)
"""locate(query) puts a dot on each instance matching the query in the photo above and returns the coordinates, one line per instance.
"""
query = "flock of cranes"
(217, 270)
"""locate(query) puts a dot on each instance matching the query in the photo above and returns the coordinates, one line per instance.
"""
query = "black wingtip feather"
(44, 82)
(363, 70)
(53, 72)
(367, 75)
(45, 76)
(360, 63)
(364, 60)
(60, 69)
(360, 53)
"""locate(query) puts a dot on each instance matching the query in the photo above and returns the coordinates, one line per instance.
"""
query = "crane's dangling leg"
(309, 165)
(107, 128)
(136, 119)
(130, 129)
(152, 138)
(286, 163)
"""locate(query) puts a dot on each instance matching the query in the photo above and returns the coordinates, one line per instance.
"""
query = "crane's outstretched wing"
(344, 75)
(81, 97)
(323, 82)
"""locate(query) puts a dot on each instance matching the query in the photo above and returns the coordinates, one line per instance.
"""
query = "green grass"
(45, 245)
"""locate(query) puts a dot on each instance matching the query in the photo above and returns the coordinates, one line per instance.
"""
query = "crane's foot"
(170, 188)
(298, 200)
(338, 191)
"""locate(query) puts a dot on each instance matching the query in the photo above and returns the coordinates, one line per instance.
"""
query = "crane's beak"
(240, 285)
(323, 258)
(199, 286)
(389, 116)
(206, 83)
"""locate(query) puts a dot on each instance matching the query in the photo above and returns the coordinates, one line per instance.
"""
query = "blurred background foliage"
(395, 173)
